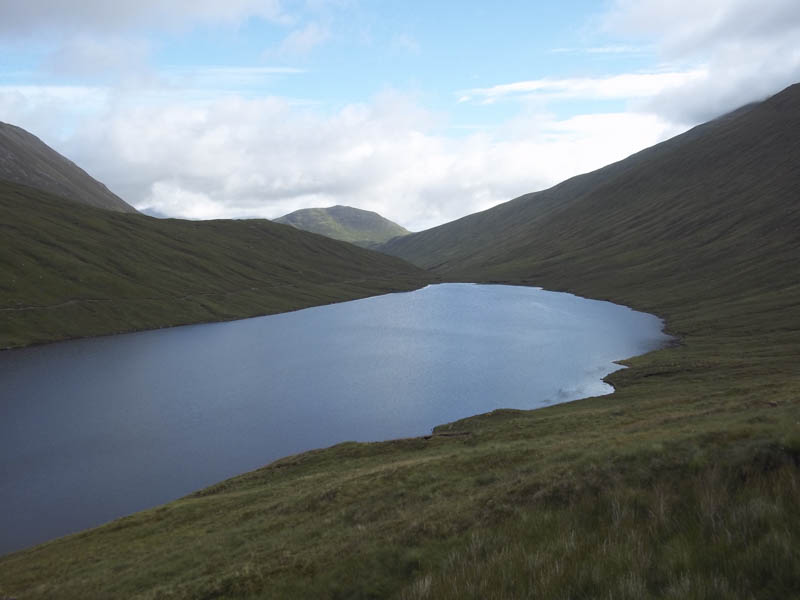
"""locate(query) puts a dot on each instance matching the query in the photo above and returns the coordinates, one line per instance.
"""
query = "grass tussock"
(717, 536)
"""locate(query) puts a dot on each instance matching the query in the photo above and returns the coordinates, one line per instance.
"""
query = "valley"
(682, 484)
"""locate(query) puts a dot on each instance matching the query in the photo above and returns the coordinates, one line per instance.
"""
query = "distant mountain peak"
(26, 159)
(361, 227)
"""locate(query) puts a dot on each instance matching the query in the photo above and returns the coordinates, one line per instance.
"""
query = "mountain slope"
(723, 191)
(25, 159)
(703, 229)
(70, 270)
(361, 227)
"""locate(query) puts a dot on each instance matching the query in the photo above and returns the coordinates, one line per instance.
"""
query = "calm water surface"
(94, 429)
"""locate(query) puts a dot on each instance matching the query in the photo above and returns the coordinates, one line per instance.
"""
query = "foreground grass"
(713, 539)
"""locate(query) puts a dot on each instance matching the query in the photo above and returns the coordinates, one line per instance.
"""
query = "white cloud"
(747, 49)
(19, 18)
(406, 43)
(51, 111)
(93, 58)
(625, 86)
(302, 41)
(211, 142)
(611, 50)
(686, 26)
(235, 157)
(209, 82)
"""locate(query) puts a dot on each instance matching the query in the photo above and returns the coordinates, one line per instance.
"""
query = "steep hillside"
(25, 159)
(684, 483)
(70, 270)
(711, 214)
(360, 227)
(701, 203)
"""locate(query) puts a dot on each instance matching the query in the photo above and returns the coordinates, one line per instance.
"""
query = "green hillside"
(70, 270)
(361, 227)
(683, 484)
(703, 229)
(712, 194)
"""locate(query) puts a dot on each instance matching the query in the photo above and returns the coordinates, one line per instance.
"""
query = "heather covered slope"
(25, 159)
(70, 270)
(360, 227)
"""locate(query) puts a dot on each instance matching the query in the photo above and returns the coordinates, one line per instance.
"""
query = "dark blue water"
(94, 429)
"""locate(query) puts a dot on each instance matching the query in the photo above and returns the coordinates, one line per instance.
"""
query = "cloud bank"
(21, 18)
(213, 142)
(626, 86)
(747, 50)
(236, 157)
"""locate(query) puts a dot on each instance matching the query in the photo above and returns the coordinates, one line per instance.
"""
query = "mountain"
(360, 227)
(25, 159)
(71, 270)
(721, 199)
(683, 483)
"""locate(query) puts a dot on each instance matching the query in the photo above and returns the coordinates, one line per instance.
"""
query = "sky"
(421, 111)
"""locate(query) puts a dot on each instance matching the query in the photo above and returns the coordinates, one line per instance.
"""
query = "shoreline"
(435, 429)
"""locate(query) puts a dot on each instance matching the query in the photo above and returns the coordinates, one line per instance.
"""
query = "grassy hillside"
(729, 182)
(69, 270)
(703, 229)
(361, 227)
(683, 484)
(25, 159)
